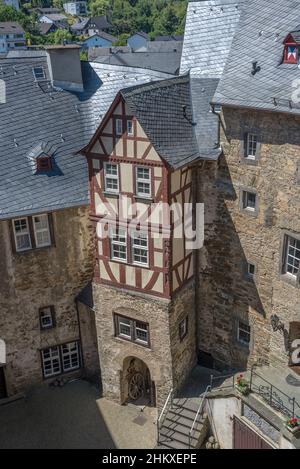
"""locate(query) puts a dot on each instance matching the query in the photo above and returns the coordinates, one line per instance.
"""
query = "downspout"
(80, 337)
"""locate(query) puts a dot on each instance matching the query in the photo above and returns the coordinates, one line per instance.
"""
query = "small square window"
(119, 127)
(130, 128)
(243, 333)
(47, 317)
(249, 201)
(44, 163)
(111, 176)
(183, 328)
(251, 269)
(39, 73)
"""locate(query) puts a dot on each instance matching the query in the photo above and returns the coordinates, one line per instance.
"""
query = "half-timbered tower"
(140, 165)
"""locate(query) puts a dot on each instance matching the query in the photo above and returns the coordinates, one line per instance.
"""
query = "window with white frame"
(41, 230)
(22, 234)
(70, 356)
(118, 240)
(111, 176)
(130, 131)
(119, 127)
(130, 329)
(251, 146)
(61, 359)
(143, 181)
(47, 317)
(140, 248)
(249, 201)
(243, 333)
(292, 256)
(51, 361)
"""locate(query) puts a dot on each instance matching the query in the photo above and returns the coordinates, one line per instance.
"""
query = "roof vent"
(255, 68)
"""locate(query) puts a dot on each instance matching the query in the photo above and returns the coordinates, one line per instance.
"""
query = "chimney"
(65, 66)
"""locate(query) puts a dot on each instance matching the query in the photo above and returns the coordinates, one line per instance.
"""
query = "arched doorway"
(137, 386)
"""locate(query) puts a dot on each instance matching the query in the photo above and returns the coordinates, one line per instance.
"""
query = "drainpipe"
(80, 337)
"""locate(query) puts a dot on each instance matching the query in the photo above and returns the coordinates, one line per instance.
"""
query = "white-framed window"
(183, 328)
(140, 248)
(47, 317)
(119, 127)
(131, 329)
(41, 230)
(118, 240)
(39, 73)
(130, 130)
(143, 181)
(111, 176)
(141, 332)
(249, 201)
(292, 257)
(251, 146)
(70, 356)
(22, 234)
(51, 361)
(243, 333)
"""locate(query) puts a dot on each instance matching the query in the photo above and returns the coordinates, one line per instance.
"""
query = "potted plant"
(293, 425)
(242, 385)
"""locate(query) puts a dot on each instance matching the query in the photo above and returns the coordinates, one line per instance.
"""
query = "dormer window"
(291, 48)
(39, 73)
(44, 163)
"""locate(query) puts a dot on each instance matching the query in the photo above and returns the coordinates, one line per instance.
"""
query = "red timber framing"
(156, 278)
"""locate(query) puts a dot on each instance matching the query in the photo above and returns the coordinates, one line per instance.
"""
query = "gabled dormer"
(291, 47)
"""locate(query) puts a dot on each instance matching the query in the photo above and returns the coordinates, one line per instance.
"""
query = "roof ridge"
(164, 83)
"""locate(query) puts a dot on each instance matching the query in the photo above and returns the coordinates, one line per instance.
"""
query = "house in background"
(12, 37)
(100, 39)
(76, 8)
(91, 26)
(46, 28)
(60, 20)
(12, 3)
(138, 41)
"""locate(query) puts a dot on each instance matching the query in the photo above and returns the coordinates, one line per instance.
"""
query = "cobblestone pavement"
(63, 418)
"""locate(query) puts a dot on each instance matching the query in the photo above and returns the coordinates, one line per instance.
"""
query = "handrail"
(215, 378)
(197, 414)
(291, 400)
(169, 398)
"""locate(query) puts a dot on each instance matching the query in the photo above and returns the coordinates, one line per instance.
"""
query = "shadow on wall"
(227, 292)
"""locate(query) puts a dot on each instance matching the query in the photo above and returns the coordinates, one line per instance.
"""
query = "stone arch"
(136, 382)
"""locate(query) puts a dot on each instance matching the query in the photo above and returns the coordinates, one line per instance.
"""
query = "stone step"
(184, 424)
(186, 404)
(182, 412)
(167, 436)
(183, 429)
(173, 417)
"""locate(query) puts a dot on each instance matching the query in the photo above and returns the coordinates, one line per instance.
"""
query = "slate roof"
(101, 22)
(36, 114)
(56, 17)
(164, 46)
(167, 62)
(10, 27)
(142, 34)
(209, 30)
(263, 33)
(169, 38)
(44, 28)
(104, 35)
(80, 24)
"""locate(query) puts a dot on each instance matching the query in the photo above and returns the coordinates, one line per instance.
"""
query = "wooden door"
(245, 438)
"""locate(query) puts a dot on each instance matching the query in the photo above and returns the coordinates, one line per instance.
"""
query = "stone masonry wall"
(232, 237)
(37, 278)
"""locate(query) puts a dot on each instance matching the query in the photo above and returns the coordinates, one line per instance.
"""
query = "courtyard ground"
(66, 417)
(74, 416)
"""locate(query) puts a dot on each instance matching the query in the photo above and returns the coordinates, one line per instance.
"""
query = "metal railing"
(229, 385)
(193, 429)
(275, 397)
(168, 403)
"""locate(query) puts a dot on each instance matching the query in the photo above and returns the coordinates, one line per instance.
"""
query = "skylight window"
(39, 73)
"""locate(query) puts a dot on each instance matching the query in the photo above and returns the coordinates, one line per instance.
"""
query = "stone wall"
(168, 360)
(34, 279)
(233, 237)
